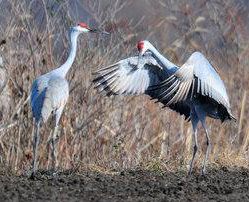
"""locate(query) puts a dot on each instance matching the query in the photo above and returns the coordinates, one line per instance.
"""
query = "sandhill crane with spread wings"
(50, 92)
(195, 90)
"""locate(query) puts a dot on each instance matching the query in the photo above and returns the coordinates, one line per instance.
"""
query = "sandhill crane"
(50, 92)
(195, 90)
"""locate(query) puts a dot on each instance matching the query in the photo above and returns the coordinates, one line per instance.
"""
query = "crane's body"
(195, 83)
(50, 92)
(194, 90)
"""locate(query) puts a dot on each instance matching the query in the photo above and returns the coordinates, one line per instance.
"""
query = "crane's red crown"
(140, 45)
(83, 25)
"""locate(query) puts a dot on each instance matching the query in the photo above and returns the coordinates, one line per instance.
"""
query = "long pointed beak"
(99, 31)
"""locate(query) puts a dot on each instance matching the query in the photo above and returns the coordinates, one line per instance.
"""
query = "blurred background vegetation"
(119, 132)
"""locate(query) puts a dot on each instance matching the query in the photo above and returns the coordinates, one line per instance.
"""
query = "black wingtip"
(161, 85)
(233, 119)
(94, 73)
(97, 79)
(156, 87)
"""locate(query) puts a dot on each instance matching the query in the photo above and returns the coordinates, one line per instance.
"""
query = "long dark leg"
(36, 141)
(194, 121)
(201, 115)
(207, 150)
(55, 140)
(54, 148)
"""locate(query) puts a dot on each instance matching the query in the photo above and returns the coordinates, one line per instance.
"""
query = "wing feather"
(128, 77)
(214, 86)
(196, 70)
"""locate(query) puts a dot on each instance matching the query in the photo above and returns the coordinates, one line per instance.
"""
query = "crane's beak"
(98, 31)
(142, 52)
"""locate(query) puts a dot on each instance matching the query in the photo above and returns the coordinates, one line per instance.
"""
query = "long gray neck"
(66, 66)
(166, 63)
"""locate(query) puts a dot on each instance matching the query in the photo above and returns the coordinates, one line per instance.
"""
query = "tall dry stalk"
(242, 114)
(116, 132)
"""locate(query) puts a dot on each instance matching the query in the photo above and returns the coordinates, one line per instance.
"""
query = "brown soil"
(223, 184)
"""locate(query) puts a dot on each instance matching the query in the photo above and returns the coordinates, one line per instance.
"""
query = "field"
(131, 143)
(222, 184)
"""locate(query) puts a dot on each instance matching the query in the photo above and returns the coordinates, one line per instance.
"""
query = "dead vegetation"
(120, 132)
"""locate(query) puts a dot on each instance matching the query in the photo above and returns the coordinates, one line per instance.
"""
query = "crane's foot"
(35, 176)
(54, 173)
(32, 176)
(190, 172)
(54, 170)
(44, 175)
(203, 171)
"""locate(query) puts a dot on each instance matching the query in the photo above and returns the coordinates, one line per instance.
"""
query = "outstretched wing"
(196, 76)
(130, 77)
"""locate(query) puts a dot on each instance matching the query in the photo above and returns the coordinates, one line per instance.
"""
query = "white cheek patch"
(83, 29)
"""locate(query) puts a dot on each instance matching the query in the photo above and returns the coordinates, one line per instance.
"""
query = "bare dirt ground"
(223, 184)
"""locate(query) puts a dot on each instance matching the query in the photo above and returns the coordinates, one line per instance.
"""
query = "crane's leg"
(194, 121)
(55, 140)
(36, 141)
(54, 148)
(201, 115)
(208, 148)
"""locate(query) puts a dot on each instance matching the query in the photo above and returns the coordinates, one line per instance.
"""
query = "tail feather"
(230, 118)
(233, 119)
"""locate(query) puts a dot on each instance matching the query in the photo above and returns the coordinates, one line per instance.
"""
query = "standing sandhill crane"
(50, 92)
(195, 90)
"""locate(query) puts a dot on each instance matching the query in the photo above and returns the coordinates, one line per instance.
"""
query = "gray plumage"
(50, 92)
(198, 86)
(196, 82)
(129, 76)
(194, 90)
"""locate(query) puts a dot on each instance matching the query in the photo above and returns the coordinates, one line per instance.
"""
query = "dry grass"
(121, 132)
